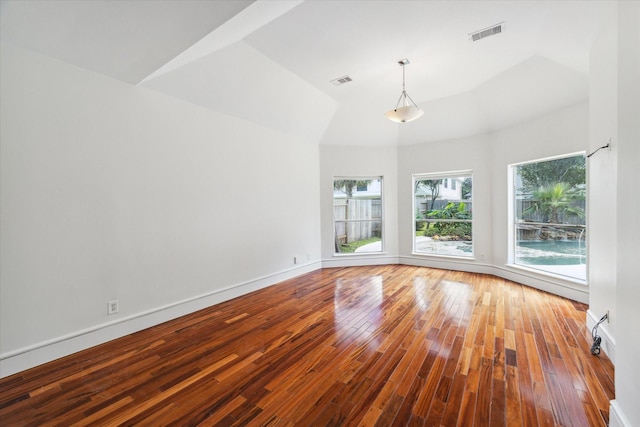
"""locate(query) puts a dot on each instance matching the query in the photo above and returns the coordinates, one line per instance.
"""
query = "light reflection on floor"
(359, 316)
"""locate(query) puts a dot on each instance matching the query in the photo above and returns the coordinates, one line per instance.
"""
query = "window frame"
(512, 219)
(381, 220)
(444, 176)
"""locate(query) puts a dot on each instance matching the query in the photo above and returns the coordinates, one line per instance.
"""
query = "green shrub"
(456, 230)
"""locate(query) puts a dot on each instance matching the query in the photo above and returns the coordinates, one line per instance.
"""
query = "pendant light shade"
(406, 110)
(404, 114)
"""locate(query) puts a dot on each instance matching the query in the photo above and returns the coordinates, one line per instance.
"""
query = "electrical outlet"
(295, 259)
(112, 307)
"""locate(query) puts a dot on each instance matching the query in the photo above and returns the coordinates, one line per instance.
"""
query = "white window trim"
(382, 215)
(511, 241)
(439, 175)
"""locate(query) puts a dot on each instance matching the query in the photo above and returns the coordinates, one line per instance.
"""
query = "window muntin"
(549, 216)
(443, 216)
(357, 215)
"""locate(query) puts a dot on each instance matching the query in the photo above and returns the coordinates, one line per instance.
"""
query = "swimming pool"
(551, 252)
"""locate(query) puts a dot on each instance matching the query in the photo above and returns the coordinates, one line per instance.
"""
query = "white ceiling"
(271, 61)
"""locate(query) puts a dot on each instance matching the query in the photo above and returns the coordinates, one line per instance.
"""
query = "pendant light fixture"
(404, 111)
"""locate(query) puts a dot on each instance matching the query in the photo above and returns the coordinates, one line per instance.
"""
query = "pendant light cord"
(404, 93)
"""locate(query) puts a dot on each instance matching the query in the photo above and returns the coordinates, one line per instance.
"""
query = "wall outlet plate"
(112, 307)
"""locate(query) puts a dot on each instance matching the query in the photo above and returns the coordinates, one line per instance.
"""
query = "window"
(443, 217)
(549, 216)
(357, 215)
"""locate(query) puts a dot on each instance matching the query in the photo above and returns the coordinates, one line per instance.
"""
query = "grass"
(351, 247)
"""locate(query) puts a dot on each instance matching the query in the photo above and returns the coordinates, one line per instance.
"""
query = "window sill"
(358, 254)
(442, 256)
(544, 273)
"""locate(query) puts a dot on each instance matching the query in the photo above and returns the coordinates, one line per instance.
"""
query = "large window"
(549, 216)
(357, 214)
(443, 214)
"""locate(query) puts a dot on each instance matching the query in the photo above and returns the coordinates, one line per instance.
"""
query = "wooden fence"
(521, 206)
(357, 219)
(438, 204)
(563, 217)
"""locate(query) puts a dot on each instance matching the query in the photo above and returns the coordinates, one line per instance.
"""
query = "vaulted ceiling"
(271, 62)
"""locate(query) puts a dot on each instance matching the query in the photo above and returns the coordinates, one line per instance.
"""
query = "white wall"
(625, 410)
(341, 161)
(614, 209)
(488, 156)
(447, 156)
(602, 178)
(110, 191)
(562, 132)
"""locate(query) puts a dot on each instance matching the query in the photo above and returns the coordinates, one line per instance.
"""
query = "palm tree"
(555, 199)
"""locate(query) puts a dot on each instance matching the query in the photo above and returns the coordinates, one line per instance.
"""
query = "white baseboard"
(448, 263)
(608, 343)
(39, 353)
(560, 287)
(43, 352)
(359, 260)
(554, 285)
(616, 416)
(544, 282)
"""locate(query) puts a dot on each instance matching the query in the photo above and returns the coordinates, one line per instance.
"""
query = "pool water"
(551, 252)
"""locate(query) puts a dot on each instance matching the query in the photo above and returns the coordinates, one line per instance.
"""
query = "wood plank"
(374, 345)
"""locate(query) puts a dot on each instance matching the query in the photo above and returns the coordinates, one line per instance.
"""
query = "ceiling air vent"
(341, 80)
(487, 32)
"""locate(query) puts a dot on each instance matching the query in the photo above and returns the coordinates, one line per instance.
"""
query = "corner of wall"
(608, 344)
(616, 416)
(40, 353)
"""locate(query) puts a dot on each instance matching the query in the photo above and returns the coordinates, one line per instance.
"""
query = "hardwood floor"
(383, 345)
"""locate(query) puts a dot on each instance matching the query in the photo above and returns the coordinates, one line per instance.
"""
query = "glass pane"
(357, 211)
(554, 249)
(550, 230)
(443, 224)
